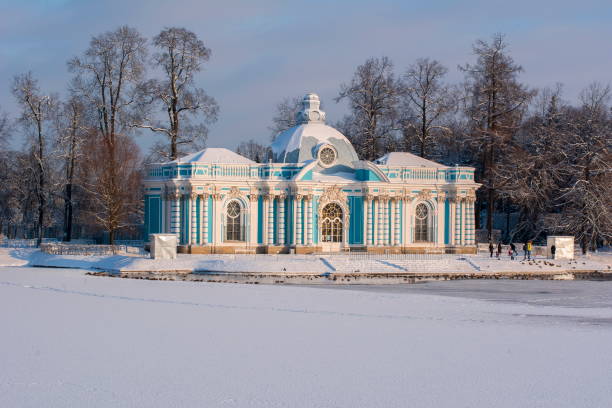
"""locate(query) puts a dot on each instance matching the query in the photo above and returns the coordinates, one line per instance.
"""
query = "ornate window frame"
(320, 159)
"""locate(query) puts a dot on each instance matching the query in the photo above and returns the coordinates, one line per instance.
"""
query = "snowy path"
(74, 340)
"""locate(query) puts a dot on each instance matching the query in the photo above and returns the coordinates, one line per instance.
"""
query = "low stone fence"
(89, 250)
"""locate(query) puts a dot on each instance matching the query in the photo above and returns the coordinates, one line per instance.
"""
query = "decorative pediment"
(424, 195)
(234, 192)
(333, 193)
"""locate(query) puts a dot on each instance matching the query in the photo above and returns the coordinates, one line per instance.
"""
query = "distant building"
(316, 196)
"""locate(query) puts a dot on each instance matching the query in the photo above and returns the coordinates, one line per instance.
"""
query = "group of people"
(513, 253)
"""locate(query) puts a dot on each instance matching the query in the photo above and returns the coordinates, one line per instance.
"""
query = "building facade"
(315, 195)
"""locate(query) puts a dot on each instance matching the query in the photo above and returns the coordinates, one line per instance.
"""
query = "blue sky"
(263, 51)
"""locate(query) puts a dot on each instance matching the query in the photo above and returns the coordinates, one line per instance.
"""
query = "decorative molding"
(333, 194)
(424, 195)
(234, 192)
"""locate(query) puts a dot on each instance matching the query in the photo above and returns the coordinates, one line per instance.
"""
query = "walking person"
(499, 249)
(553, 249)
(512, 251)
(524, 251)
(529, 249)
(491, 248)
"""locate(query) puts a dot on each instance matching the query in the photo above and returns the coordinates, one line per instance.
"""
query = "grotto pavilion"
(315, 195)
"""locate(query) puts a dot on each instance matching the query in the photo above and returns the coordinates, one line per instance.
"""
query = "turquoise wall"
(152, 215)
(260, 218)
(447, 221)
(356, 220)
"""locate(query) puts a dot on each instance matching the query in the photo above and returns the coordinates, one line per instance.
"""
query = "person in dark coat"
(491, 248)
(512, 250)
(499, 249)
(553, 249)
(524, 251)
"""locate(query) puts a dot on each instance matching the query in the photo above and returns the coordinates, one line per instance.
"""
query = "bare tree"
(181, 55)
(496, 103)
(4, 129)
(587, 199)
(373, 96)
(72, 131)
(254, 151)
(285, 116)
(428, 100)
(36, 115)
(106, 78)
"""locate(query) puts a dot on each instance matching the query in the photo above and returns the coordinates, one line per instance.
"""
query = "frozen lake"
(74, 340)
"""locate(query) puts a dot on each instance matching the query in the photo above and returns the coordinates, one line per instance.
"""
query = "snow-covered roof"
(404, 159)
(339, 177)
(214, 155)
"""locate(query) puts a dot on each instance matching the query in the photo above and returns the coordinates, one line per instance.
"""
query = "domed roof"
(302, 142)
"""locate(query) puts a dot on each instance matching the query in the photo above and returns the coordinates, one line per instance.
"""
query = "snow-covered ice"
(69, 339)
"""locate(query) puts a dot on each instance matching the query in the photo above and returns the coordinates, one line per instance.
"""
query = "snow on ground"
(69, 339)
(306, 264)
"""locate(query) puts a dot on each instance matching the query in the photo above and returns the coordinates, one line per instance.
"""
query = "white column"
(385, 222)
(392, 222)
(194, 219)
(217, 222)
(379, 209)
(463, 222)
(408, 220)
(441, 217)
(176, 216)
(309, 228)
(472, 240)
(294, 218)
(281, 220)
(270, 220)
(366, 219)
(204, 219)
(298, 224)
(457, 231)
(397, 221)
(253, 221)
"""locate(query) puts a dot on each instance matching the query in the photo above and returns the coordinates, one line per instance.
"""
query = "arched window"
(421, 223)
(331, 224)
(234, 230)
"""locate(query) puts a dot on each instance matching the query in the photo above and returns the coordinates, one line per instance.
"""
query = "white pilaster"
(299, 226)
(253, 214)
(270, 220)
(457, 231)
(397, 222)
(392, 221)
(281, 220)
(367, 219)
(194, 219)
(309, 228)
(176, 216)
(205, 219)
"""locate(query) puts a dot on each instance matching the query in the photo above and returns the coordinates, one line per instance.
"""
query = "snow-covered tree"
(285, 116)
(587, 198)
(373, 96)
(253, 150)
(495, 104)
(189, 108)
(36, 121)
(427, 101)
(107, 76)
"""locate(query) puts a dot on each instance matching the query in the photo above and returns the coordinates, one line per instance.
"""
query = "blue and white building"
(314, 196)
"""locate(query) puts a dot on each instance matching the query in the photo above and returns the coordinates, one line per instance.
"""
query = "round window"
(421, 211)
(327, 155)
